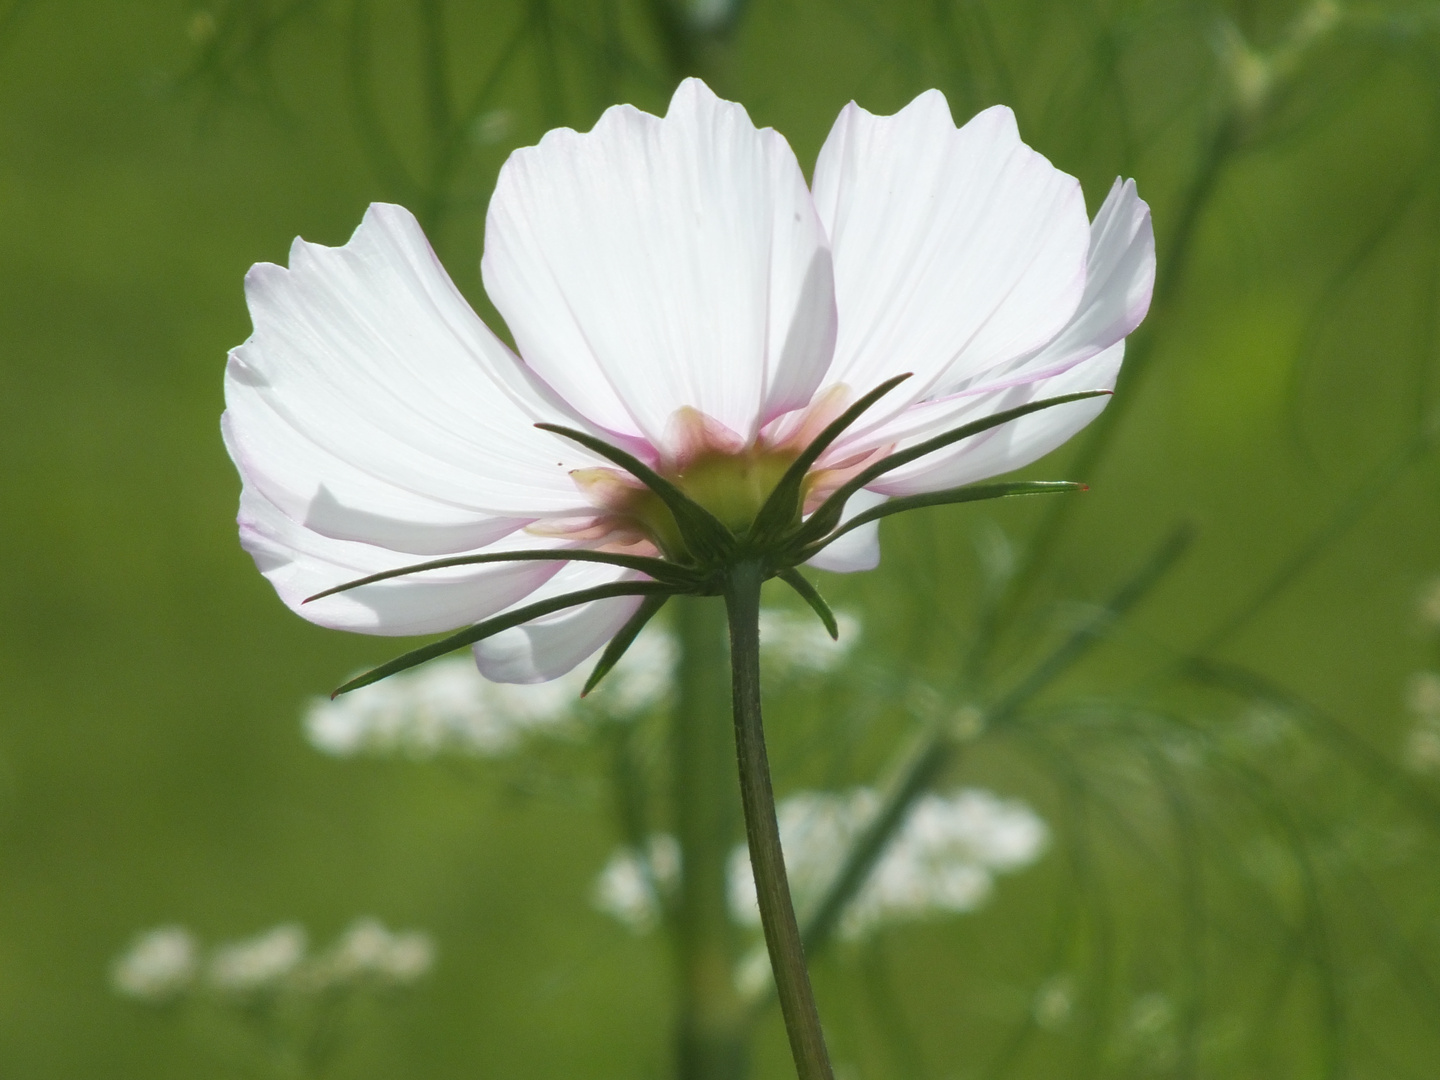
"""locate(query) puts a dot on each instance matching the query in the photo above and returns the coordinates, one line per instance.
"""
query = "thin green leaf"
(781, 506)
(657, 568)
(623, 640)
(828, 515)
(971, 493)
(703, 532)
(482, 630)
(812, 596)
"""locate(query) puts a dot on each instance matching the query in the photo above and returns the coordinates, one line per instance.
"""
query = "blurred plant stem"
(448, 124)
(711, 1032)
(695, 41)
(772, 887)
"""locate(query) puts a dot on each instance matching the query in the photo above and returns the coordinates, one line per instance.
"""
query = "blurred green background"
(1244, 843)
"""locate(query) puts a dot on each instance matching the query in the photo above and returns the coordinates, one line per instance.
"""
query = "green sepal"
(970, 493)
(783, 504)
(661, 570)
(623, 640)
(704, 534)
(827, 516)
(812, 596)
(490, 627)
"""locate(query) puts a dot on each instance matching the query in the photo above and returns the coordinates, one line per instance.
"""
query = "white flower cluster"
(165, 964)
(796, 643)
(447, 706)
(632, 884)
(944, 859)
(158, 967)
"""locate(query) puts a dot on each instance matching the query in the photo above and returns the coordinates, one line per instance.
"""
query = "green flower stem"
(777, 913)
(712, 1028)
(923, 763)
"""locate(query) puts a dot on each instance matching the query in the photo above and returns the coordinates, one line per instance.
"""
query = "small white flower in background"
(1149, 1029)
(942, 859)
(641, 680)
(1054, 1003)
(673, 286)
(164, 964)
(1429, 606)
(160, 965)
(257, 964)
(626, 887)
(492, 126)
(1422, 745)
(1423, 696)
(795, 642)
(369, 951)
(446, 706)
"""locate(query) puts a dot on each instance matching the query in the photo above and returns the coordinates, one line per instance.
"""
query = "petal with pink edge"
(1018, 443)
(956, 251)
(652, 264)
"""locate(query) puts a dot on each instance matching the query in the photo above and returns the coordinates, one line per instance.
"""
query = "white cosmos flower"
(673, 289)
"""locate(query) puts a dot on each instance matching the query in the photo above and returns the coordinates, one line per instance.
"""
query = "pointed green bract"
(704, 533)
(490, 627)
(971, 493)
(827, 516)
(812, 596)
(623, 640)
(783, 505)
(659, 569)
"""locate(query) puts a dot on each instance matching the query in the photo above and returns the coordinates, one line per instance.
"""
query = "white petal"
(956, 251)
(1018, 443)
(652, 264)
(548, 647)
(1117, 296)
(371, 403)
(1120, 277)
(334, 498)
(300, 562)
(859, 549)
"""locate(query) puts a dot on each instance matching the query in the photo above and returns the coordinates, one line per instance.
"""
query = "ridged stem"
(757, 797)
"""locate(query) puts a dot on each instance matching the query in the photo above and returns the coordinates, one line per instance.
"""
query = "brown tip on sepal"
(1084, 487)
